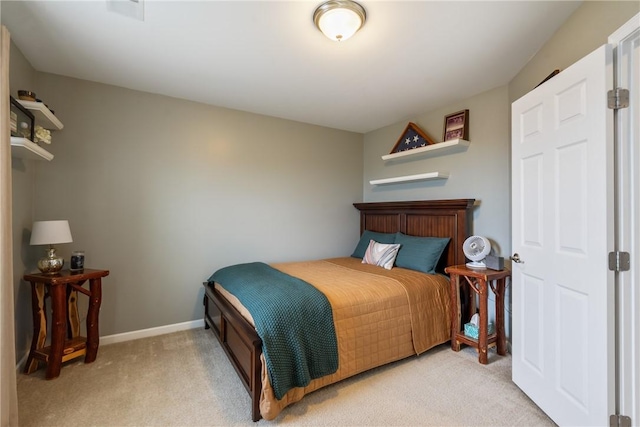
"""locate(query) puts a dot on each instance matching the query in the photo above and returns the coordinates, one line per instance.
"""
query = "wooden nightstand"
(479, 281)
(63, 289)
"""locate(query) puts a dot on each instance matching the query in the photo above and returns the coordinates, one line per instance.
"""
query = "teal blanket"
(293, 319)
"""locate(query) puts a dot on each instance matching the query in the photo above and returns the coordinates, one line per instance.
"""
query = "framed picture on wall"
(412, 137)
(456, 126)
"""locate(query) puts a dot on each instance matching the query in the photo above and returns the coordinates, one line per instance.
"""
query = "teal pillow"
(363, 244)
(420, 253)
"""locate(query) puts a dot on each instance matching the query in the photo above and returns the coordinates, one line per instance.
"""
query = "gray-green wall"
(483, 171)
(23, 174)
(162, 191)
(586, 29)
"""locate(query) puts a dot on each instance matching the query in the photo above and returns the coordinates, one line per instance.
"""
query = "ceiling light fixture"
(339, 19)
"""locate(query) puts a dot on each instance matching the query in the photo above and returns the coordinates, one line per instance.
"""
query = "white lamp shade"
(50, 232)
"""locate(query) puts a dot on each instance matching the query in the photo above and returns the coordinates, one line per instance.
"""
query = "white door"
(562, 218)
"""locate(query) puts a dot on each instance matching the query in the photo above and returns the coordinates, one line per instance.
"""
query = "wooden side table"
(66, 344)
(479, 281)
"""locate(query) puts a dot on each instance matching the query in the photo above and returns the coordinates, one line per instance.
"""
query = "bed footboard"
(239, 340)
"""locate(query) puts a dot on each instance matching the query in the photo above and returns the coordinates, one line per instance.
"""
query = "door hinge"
(619, 421)
(619, 261)
(618, 98)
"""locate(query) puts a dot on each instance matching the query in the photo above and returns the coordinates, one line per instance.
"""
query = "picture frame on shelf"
(22, 121)
(456, 126)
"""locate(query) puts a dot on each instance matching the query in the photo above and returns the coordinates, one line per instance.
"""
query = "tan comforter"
(380, 316)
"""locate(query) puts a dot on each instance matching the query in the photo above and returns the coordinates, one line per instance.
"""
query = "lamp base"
(52, 263)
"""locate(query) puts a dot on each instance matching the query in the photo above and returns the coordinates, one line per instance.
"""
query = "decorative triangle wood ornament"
(412, 137)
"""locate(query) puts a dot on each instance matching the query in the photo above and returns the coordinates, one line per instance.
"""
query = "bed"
(234, 328)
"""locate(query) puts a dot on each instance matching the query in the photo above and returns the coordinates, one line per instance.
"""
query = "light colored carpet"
(185, 379)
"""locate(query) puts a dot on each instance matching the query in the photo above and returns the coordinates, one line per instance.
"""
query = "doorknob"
(516, 258)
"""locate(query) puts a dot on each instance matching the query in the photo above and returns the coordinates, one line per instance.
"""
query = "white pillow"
(381, 254)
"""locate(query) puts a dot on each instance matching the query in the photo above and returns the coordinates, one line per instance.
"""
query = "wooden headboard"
(425, 218)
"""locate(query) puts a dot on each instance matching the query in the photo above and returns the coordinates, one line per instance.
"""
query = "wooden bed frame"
(436, 218)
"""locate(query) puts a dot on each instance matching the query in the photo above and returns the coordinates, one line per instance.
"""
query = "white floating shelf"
(22, 148)
(439, 148)
(43, 116)
(411, 178)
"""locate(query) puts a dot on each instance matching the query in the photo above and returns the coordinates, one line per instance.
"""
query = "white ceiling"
(267, 57)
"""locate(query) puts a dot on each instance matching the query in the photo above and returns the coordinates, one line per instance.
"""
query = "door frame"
(627, 213)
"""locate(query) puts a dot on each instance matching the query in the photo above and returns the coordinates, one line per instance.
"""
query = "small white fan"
(476, 248)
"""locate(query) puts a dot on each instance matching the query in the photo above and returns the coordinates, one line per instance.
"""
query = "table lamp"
(50, 233)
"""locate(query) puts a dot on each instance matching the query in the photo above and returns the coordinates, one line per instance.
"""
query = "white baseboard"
(151, 332)
(134, 335)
